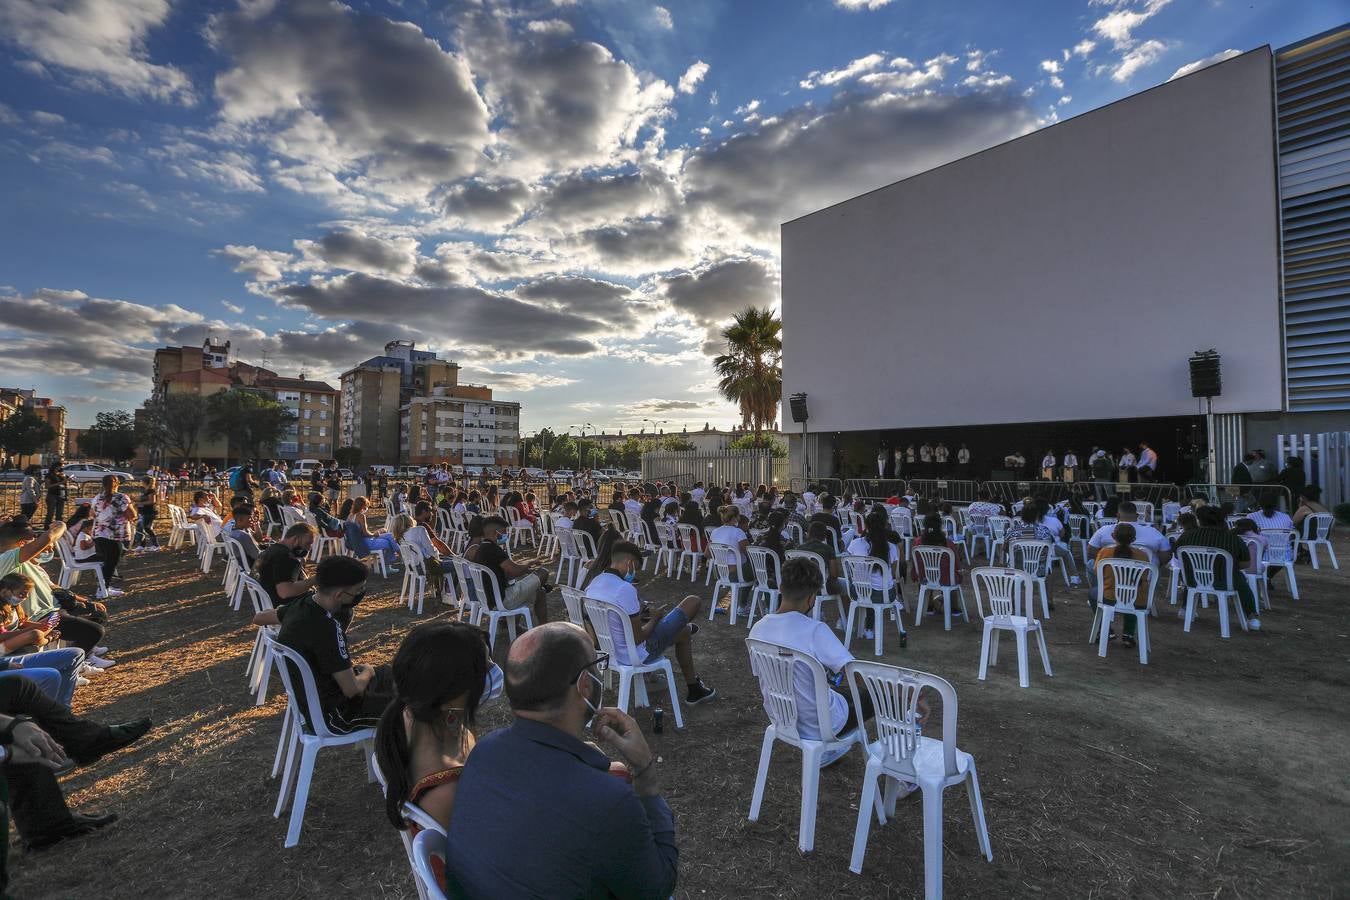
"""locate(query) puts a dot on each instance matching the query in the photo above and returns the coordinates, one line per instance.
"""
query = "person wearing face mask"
(518, 584)
(23, 644)
(280, 569)
(654, 636)
(593, 828)
(350, 696)
(443, 677)
(587, 520)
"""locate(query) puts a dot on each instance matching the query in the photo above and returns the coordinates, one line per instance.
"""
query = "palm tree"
(751, 370)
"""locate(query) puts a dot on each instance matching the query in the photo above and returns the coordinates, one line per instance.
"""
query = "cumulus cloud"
(712, 292)
(585, 201)
(689, 81)
(356, 251)
(1137, 57)
(98, 45)
(846, 73)
(1118, 26)
(1204, 63)
(855, 5)
(613, 304)
(481, 204)
(261, 265)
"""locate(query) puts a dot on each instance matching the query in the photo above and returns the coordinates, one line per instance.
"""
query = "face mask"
(501, 540)
(597, 696)
(356, 598)
(630, 577)
(299, 552)
(493, 683)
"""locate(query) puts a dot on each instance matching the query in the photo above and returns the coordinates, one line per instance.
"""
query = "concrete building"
(370, 400)
(12, 399)
(315, 404)
(1049, 292)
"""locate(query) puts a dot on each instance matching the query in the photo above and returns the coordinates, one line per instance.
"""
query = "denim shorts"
(664, 634)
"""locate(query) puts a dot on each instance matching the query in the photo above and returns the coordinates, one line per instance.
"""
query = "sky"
(567, 197)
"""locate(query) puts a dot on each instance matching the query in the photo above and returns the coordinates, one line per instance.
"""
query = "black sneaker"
(698, 692)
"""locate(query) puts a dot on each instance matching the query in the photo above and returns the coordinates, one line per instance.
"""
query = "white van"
(377, 471)
(304, 468)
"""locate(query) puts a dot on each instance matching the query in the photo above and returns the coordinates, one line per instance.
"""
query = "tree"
(676, 445)
(751, 442)
(348, 457)
(751, 371)
(175, 424)
(113, 436)
(628, 455)
(24, 433)
(248, 421)
(561, 453)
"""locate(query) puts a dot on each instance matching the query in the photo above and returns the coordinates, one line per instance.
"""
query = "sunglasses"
(601, 663)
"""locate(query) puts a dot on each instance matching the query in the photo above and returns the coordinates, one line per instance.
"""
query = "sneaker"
(1075, 580)
(905, 789)
(698, 692)
(1254, 624)
(87, 670)
(99, 662)
(693, 628)
(100, 651)
(1128, 640)
(81, 681)
(869, 634)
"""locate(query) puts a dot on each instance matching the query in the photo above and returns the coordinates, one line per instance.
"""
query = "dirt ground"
(1218, 770)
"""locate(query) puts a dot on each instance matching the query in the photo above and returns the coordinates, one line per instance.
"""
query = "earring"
(451, 718)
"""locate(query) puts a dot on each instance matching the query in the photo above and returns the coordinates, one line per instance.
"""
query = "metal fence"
(1244, 497)
(1156, 493)
(752, 466)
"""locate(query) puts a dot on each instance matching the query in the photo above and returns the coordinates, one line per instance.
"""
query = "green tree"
(629, 453)
(676, 444)
(24, 433)
(348, 457)
(112, 436)
(751, 371)
(175, 424)
(249, 422)
(561, 453)
(751, 442)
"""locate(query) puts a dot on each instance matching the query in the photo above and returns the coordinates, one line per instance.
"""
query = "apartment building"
(11, 399)
(315, 432)
(460, 424)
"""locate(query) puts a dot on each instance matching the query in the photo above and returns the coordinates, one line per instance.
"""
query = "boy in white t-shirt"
(792, 626)
(655, 636)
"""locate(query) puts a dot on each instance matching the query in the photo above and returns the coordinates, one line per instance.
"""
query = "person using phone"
(24, 643)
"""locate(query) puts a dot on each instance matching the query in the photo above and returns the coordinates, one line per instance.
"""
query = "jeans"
(56, 509)
(110, 553)
(385, 544)
(67, 662)
(145, 531)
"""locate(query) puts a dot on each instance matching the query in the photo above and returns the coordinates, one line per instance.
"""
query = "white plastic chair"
(307, 738)
(667, 547)
(414, 586)
(1258, 580)
(1080, 531)
(259, 668)
(71, 570)
(1171, 510)
(1009, 592)
(861, 576)
(569, 557)
(468, 602)
(1033, 557)
(518, 529)
(935, 561)
(781, 672)
(1144, 509)
(641, 534)
(725, 562)
(689, 549)
(768, 573)
(998, 530)
(485, 586)
(270, 523)
(548, 538)
(1128, 576)
(902, 521)
(901, 752)
(236, 567)
(824, 596)
(1200, 569)
(208, 542)
(976, 530)
(606, 618)
(1317, 533)
(573, 600)
(180, 529)
(427, 845)
(1281, 551)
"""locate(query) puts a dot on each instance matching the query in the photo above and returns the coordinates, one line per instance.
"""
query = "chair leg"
(1023, 675)
(1223, 616)
(281, 748)
(1045, 652)
(1293, 582)
(984, 653)
(1108, 616)
(947, 610)
(1142, 639)
(762, 774)
(674, 697)
(977, 812)
(879, 620)
(1190, 610)
(292, 739)
(865, 804)
(918, 606)
(848, 626)
(932, 842)
(625, 686)
(310, 751)
(806, 835)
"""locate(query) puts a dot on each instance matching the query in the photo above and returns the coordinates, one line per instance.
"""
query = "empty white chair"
(871, 587)
(902, 521)
(1201, 568)
(307, 737)
(1080, 530)
(667, 547)
(270, 523)
(689, 549)
(1281, 551)
(236, 567)
(900, 752)
(180, 529)
(569, 556)
(572, 599)
(485, 584)
(783, 675)
(1317, 533)
(469, 602)
(1132, 580)
(935, 561)
(518, 528)
(998, 531)
(414, 586)
(208, 542)
(645, 538)
(976, 530)
(612, 625)
(724, 561)
(428, 845)
(824, 596)
(1009, 592)
(1170, 511)
(71, 570)
(768, 575)
(444, 524)
(1033, 557)
(259, 668)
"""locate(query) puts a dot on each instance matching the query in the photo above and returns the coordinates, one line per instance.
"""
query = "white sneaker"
(1075, 580)
(81, 681)
(114, 592)
(99, 662)
(90, 670)
(1254, 624)
(869, 634)
(839, 625)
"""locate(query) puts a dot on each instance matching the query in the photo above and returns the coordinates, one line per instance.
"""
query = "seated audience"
(1213, 533)
(933, 535)
(1123, 537)
(733, 535)
(23, 644)
(1144, 534)
(519, 585)
(280, 568)
(540, 784)
(361, 540)
(1309, 503)
(19, 548)
(405, 529)
(1270, 515)
(243, 528)
(205, 509)
(586, 520)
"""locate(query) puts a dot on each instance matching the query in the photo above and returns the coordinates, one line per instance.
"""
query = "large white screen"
(1065, 275)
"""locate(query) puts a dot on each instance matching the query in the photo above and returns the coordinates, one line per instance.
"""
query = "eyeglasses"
(601, 663)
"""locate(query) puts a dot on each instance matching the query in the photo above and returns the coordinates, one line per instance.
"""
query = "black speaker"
(798, 404)
(1206, 380)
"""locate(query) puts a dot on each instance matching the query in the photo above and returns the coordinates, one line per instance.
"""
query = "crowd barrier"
(1244, 497)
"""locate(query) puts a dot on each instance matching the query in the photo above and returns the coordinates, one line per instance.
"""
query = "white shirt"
(204, 512)
(940, 453)
(697, 495)
(633, 507)
(1126, 461)
(1148, 459)
(1070, 461)
(1055, 526)
(1048, 462)
(818, 640)
(925, 453)
(963, 456)
(732, 536)
(610, 587)
(1264, 522)
(418, 537)
(1145, 535)
(860, 547)
(562, 522)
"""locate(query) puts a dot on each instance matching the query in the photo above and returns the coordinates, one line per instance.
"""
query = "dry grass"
(1216, 771)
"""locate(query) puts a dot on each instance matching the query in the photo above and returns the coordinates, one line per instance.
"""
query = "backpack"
(237, 480)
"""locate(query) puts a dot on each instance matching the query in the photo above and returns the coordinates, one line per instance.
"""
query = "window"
(306, 398)
(323, 399)
(323, 432)
(307, 413)
(323, 415)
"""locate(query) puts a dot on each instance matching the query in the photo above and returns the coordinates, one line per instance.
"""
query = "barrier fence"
(754, 467)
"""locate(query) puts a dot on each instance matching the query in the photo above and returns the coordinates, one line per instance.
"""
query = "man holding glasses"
(539, 810)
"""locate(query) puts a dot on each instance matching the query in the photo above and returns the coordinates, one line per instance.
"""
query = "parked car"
(377, 471)
(346, 474)
(600, 477)
(563, 474)
(304, 468)
(85, 473)
(11, 475)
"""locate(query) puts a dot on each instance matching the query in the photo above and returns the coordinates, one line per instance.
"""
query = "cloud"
(518, 382)
(585, 201)
(74, 153)
(42, 117)
(1204, 63)
(486, 205)
(262, 265)
(1118, 26)
(605, 301)
(98, 45)
(1138, 57)
(632, 247)
(661, 406)
(1084, 47)
(855, 5)
(1052, 66)
(712, 292)
(357, 251)
(689, 81)
(835, 76)
(663, 18)
(232, 307)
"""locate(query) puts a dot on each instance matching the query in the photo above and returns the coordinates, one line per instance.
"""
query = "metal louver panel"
(1312, 96)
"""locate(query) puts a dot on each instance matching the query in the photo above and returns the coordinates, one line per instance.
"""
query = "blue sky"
(566, 196)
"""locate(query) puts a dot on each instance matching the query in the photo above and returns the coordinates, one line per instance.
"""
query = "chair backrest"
(768, 568)
(1129, 579)
(1280, 545)
(795, 533)
(1144, 509)
(426, 847)
(1317, 526)
(856, 521)
(902, 520)
(567, 545)
(63, 549)
(1201, 567)
(1230, 521)
(1032, 557)
(512, 515)
(782, 671)
(608, 621)
(818, 561)
(572, 599)
(688, 537)
(619, 519)
(707, 534)
(1170, 510)
(863, 576)
(1078, 527)
(998, 526)
(1147, 551)
(412, 558)
(443, 521)
(487, 590)
(835, 543)
(895, 696)
(1256, 550)
(257, 594)
(949, 527)
(464, 581)
(935, 561)
(1008, 591)
(975, 521)
(236, 552)
(291, 516)
(666, 536)
(727, 561)
(585, 545)
(304, 697)
(176, 514)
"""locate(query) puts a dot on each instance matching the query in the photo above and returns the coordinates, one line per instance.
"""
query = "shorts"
(664, 634)
(521, 592)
